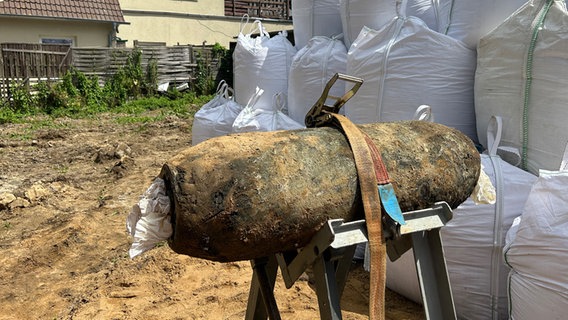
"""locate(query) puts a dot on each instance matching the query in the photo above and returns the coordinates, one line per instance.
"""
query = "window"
(68, 41)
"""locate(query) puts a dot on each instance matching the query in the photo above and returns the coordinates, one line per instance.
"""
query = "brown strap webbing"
(367, 156)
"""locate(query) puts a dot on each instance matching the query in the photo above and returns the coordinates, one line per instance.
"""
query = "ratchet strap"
(374, 183)
(367, 156)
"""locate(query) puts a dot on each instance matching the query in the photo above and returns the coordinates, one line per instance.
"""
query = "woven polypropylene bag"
(522, 76)
(261, 61)
(405, 65)
(537, 250)
(216, 117)
(261, 117)
(313, 18)
(313, 66)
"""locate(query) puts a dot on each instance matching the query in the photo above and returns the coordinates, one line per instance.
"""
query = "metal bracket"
(419, 220)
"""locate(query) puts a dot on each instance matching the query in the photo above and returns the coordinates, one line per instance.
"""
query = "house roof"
(93, 10)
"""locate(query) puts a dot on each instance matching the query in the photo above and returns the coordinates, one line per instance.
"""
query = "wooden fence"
(27, 64)
(271, 9)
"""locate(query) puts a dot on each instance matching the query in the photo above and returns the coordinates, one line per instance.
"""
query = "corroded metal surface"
(248, 195)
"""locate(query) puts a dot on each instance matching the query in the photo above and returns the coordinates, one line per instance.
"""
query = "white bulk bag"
(258, 117)
(468, 20)
(405, 65)
(216, 117)
(315, 18)
(473, 240)
(524, 80)
(537, 250)
(356, 14)
(402, 277)
(312, 67)
(428, 11)
(261, 62)
(530, 300)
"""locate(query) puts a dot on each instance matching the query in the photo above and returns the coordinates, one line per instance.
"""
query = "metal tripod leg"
(261, 301)
(433, 275)
(326, 289)
(343, 268)
(330, 271)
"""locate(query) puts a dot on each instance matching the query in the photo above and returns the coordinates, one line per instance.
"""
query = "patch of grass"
(7, 115)
(183, 106)
(115, 260)
(46, 123)
(22, 136)
(142, 128)
(178, 103)
(137, 119)
(32, 125)
(103, 197)
(61, 169)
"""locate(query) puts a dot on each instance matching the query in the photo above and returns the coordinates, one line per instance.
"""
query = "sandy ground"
(65, 192)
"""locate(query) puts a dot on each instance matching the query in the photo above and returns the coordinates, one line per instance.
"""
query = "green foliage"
(183, 105)
(45, 123)
(115, 90)
(21, 101)
(49, 97)
(204, 83)
(151, 81)
(225, 69)
(32, 125)
(89, 91)
(130, 82)
(75, 95)
(218, 50)
(8, 115)
(133, 75)
(131, 90)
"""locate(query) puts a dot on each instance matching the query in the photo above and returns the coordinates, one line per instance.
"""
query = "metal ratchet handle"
(350, 93)
(316, 116)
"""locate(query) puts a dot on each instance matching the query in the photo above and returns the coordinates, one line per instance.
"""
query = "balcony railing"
(270, 9)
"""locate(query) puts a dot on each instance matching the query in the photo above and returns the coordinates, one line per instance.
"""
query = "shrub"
(49, 98)
(151, 83)
(22, 101)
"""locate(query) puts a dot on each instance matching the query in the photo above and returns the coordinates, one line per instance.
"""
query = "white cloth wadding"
(149, 220)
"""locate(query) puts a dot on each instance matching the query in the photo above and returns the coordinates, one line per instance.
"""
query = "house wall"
(83, 33)
(212, 7)
(183, 22)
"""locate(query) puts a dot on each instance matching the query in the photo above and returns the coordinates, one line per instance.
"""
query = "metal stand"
(331, 250)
